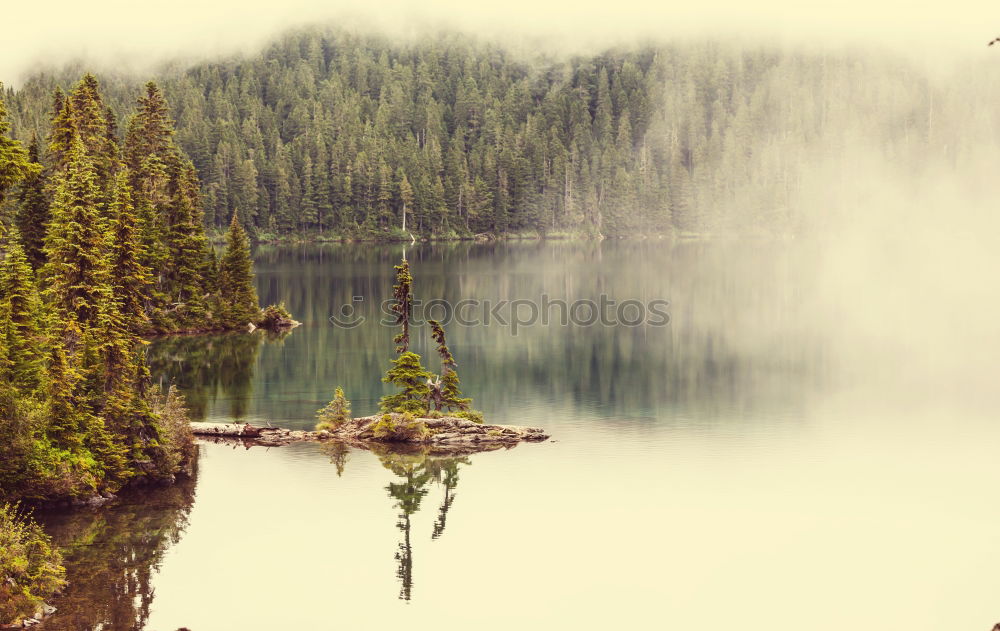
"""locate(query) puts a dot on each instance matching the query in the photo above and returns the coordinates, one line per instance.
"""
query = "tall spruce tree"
(129, 278)
(402, 305)
(76, 273)
(236, 290)
(33, 211)
(449, 395)
(406, 372)
(22, 313)
(15, 163)
(185, 239)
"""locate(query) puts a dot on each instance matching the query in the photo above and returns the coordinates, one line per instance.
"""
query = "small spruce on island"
(427, 407)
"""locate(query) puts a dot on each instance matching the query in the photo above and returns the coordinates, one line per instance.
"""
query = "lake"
(759, 452)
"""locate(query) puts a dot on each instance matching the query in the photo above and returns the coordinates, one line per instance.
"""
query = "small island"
(429, 409)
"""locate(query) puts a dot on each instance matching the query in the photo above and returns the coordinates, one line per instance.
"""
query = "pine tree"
(335, 413)
(403, 305)
(236, 290)
(15, 163)
(95, 128)
(129, 278)
(61, 131)
(185, 240)
(147, 152)
(448, 393)
(21, 309)
(33, 211)
(77, 279)
(407, 373)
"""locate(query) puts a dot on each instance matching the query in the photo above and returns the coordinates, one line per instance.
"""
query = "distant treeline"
(331, 131)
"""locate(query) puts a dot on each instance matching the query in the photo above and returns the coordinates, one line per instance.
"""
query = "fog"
(126, 35)
(900, 267)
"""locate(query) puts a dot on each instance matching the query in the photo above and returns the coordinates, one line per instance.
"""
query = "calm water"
(759, 463)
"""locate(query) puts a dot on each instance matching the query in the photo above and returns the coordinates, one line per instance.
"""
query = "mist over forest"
(335, 131)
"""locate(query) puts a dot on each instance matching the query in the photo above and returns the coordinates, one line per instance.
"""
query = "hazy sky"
(119, 33)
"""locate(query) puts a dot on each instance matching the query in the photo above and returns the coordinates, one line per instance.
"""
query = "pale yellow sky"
(118, 33)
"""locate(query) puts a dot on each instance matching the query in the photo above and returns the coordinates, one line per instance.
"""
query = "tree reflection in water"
(112, 553)
(207, 366)
(417, 467)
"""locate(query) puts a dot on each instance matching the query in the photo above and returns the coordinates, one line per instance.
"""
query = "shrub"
(470, 415)
(31, 570)
(176, 437)
(400, 428)
(273, 317)
(336, 413)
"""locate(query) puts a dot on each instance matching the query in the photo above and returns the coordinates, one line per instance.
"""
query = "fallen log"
(446, 433)
(234, 430)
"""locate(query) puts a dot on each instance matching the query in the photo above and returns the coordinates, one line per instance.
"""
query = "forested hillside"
(351, 135)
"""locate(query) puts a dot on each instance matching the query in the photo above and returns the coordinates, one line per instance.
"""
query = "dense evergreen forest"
(105, 245)
(352, 135)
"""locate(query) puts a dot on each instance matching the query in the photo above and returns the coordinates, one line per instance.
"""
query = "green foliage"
(445, 392)
(274, 317)
(77, 276)
(31, 569)
(239, 298)
(33, 210)
(20, 317)
(335, 413)
(402, 305)
(76, 416)
(470, 415)
(408, 374)
(174, 429)
(403, 427)
(130, 279)
(15, 162)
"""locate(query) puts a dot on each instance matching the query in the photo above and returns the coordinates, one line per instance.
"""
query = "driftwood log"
(232, 430)
(447, 432)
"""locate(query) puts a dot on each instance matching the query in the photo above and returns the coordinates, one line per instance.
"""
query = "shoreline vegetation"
(106, 247)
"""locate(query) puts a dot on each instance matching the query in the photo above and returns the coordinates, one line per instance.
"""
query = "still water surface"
(732, 469)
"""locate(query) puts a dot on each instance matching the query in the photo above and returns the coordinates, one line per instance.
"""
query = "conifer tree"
(61, 131)
(94, 126)
(185, 239)
(76, 273)
(408, 374)
(335, 413)
(129, 278)
(21, 308)
(236, 290)
(449, 394)
(33, 211)
(403, 305)
(15, 164)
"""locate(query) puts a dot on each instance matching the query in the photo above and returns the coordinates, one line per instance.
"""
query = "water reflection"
(112, 555)
(208, 367)
(418, 468)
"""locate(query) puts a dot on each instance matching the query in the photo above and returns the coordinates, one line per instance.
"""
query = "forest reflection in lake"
(766, 461)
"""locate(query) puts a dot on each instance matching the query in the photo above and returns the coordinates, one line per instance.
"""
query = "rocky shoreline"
(443, 434)
(43, 612)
